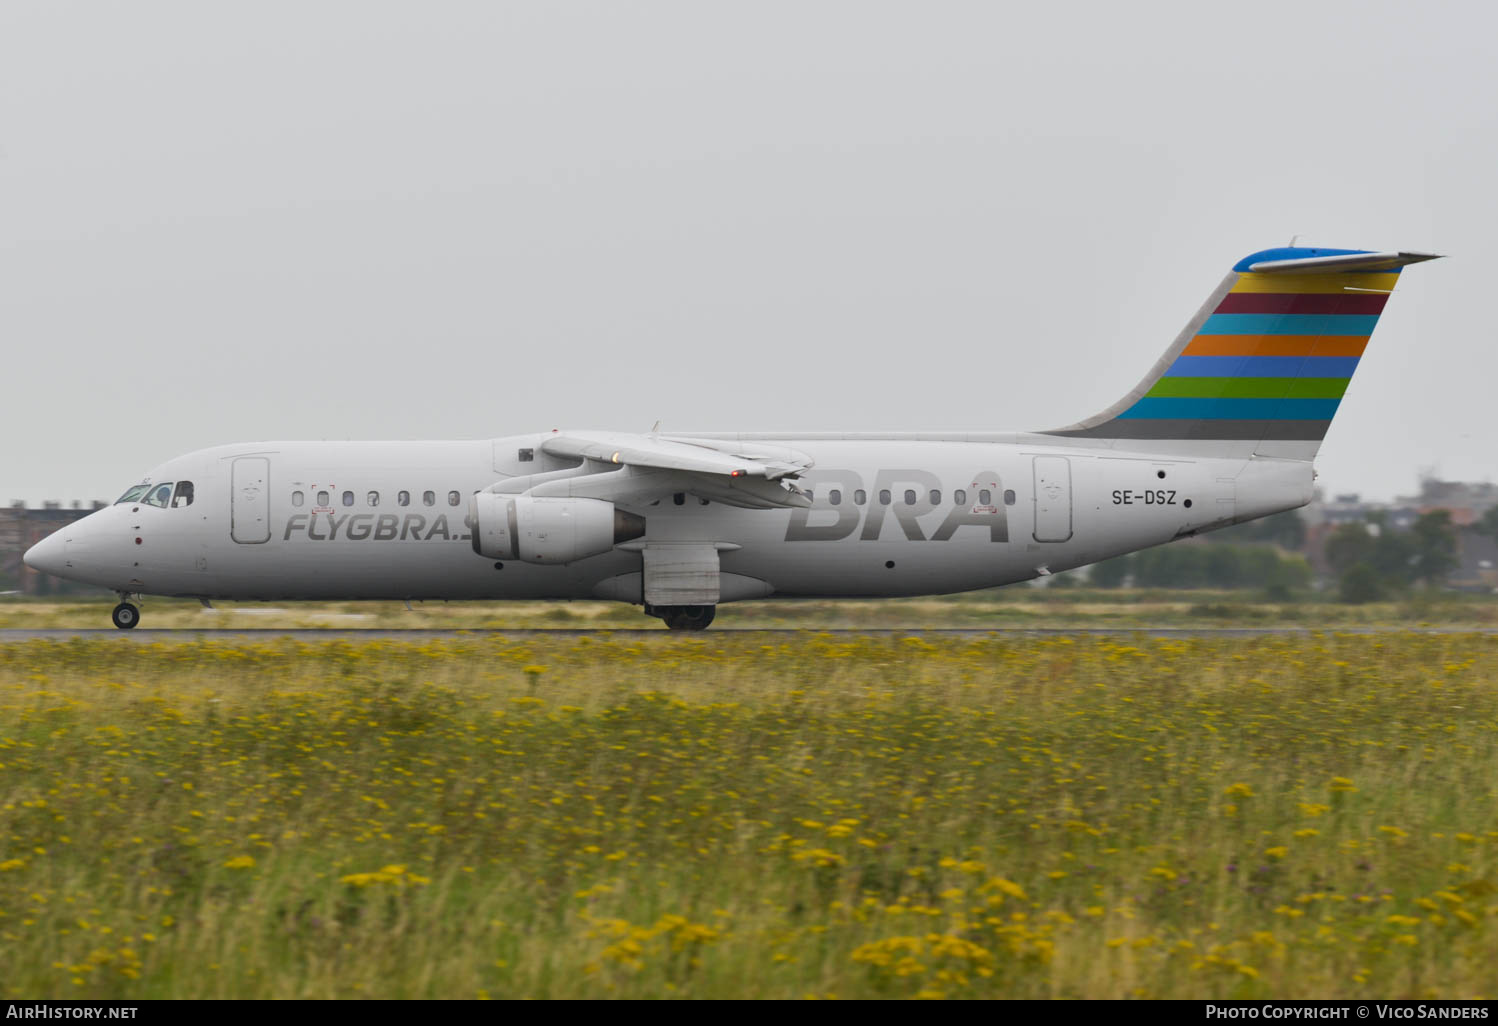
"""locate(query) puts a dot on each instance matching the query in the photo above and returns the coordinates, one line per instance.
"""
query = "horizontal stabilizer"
(1335, 262)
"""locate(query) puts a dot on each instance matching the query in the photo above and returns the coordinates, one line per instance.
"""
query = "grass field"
(721, 815)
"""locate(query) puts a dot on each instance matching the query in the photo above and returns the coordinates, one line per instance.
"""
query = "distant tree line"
(1259, 566)
(1287, 530)
(1372, 560)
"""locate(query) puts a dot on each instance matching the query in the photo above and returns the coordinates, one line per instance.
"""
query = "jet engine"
(548, 530)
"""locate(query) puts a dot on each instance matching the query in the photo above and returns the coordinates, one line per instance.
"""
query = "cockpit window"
(183, 495)
(159, 495)
(134, 494)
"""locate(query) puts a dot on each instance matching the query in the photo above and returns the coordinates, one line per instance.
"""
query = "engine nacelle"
(547, 530)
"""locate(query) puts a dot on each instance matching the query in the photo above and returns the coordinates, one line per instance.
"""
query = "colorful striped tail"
(1267, 358)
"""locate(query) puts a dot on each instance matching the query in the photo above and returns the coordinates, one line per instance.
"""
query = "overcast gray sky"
(428, 220)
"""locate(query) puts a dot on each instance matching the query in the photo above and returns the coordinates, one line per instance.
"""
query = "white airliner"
(1223, 429)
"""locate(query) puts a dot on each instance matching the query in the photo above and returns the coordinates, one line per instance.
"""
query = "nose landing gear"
(125, 615)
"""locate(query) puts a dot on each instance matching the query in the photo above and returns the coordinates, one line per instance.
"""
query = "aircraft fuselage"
(390, 520)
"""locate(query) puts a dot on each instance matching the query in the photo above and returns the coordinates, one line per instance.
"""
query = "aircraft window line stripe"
(372, 498)
(909, 497)
(1182, 387)
(1276, 345)
(1262, 367)
(1289, 324)
(1231, 409)
(1303, 303)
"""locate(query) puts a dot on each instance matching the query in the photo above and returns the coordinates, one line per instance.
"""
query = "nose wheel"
(125, 616)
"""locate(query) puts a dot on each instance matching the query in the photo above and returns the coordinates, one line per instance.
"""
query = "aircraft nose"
(47, 555)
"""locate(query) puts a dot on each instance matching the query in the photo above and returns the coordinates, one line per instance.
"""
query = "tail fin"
(1263, 365)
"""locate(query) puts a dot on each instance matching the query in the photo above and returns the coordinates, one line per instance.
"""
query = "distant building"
(21, 528)
(1466, 501)
(1477, 562)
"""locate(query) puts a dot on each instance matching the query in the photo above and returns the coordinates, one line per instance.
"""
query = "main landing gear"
(684, 618)
(125, 616)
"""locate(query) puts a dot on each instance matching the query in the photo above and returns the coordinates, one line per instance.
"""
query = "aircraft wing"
(693, 455)
(631, 468)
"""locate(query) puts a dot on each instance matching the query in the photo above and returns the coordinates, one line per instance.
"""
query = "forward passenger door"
(249, 500)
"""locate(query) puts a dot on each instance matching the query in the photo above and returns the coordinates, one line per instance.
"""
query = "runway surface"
(417, 634)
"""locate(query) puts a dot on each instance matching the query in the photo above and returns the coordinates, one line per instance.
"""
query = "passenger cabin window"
(297, 498)
(835, 497)
(884, 496)
(429, 498)
(322, 498)
(985, 497)
(348, 498)
(453, 498)
(959, 497)
(860, 497)
(134, 494)
(403, 498)
(373, 498)
(183, 495)
(935, 497)
(1009, 496)
(159, 495)
(910, 496)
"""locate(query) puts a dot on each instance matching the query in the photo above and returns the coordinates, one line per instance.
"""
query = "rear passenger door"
(1052, 499)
